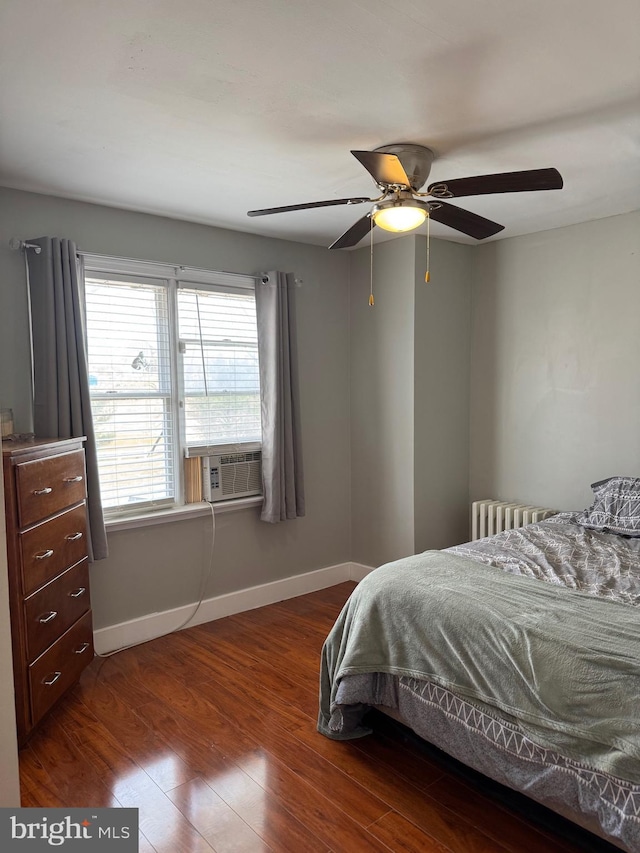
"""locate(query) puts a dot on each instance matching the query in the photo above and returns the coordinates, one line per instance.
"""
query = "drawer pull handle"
(82, 648)
(46, 491)
(44, 554)
(52, 679)
(78, 592)
(73, 537)
(48, 617)
(78, 479)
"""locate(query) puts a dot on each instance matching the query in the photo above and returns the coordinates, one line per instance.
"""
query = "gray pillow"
(616, 507)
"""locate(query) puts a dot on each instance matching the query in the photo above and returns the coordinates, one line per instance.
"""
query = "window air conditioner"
(232, 475)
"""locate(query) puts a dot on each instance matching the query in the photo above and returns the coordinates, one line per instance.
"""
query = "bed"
(517, 654)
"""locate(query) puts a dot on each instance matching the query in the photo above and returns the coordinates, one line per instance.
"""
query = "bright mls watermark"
(79, 830)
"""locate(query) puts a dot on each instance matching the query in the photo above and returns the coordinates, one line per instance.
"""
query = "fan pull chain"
(372, 301)
(427, 277)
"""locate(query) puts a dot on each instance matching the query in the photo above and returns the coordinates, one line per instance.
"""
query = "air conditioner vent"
(228, 458)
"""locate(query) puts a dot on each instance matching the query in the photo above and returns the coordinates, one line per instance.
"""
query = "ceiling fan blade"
(465, 221)
(383, 168)
(503, 182)
(354, 234)
(333, 201)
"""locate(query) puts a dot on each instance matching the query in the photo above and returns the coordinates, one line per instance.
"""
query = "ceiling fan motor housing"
(416, 161)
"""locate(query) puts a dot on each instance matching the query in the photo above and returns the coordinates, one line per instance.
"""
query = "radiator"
(489, 517)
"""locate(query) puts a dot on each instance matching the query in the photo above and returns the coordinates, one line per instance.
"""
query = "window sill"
(179, 513)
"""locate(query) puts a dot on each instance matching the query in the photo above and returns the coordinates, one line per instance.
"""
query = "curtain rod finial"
(16, 243)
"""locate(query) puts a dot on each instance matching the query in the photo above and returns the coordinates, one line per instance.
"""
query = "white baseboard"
(358, 571)
(146, 628)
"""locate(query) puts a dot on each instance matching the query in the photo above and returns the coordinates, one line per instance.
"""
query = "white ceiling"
(203, 109)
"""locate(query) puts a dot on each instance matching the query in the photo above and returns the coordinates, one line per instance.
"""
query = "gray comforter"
(564, 664)
(562, 552)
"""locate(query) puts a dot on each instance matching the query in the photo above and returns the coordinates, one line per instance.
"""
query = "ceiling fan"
(400, 171)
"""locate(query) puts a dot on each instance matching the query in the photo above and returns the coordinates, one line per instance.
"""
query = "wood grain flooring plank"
(332, 597)
(218, 824)
(75, 780)
(301, 667)
(391, 744)
(324, 605)
(123, 672)
(504, 827)
(250, 687)
(276, 741)
(288, 630)
(223, 774)
(264, 673)
(283, 619)
(128, 734)
(144, 845)
(507, 829)
(37, 788)
(302, 800)
(165, 829)
(214, 728)
(436, 820)
(204, 668)
(323, 817)
(161, 822)
(266, 814)
(206, 747)
(402, 836)
(106, 754)
(284, 642)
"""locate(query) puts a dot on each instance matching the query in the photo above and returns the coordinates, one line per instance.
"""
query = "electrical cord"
(205, 578)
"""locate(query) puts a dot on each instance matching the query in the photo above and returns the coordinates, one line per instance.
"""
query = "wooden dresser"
(51, 627)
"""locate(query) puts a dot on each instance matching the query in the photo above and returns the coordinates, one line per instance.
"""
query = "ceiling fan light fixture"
(399, 215)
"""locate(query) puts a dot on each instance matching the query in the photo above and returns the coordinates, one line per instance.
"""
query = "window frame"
(172, 278)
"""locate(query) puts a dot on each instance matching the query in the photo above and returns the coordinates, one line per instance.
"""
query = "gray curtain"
(282, 477)
(62, 408)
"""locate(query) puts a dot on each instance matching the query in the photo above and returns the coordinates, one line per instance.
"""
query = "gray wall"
(409, 399)
(441, 394)
(157, 568)
(555, 400)
(382, 366)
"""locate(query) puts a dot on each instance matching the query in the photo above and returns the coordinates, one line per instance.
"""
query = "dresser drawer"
(55, 607)
(52, 547)
(60, 666)
(45, 486)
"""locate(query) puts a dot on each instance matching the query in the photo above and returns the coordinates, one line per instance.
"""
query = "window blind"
(128, 337)
(220, 374)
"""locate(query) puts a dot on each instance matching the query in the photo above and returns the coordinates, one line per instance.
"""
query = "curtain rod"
(17, 243)
(258, 277)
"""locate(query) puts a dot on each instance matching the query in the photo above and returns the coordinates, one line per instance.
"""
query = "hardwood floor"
(210, 732)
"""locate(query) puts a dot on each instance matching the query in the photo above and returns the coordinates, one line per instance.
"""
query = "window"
(173, 372)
